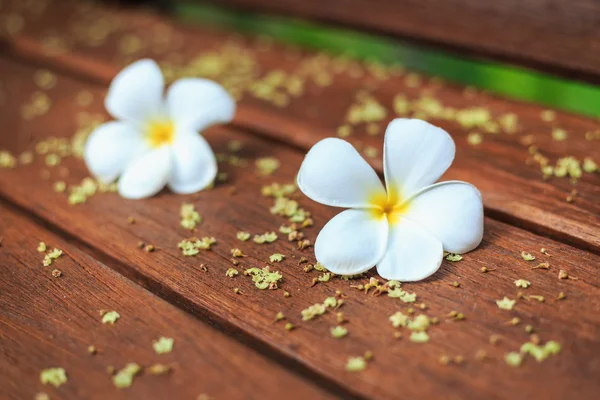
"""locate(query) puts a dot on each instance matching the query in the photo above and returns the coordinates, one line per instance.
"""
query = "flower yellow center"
(388, 206)
(159, 133)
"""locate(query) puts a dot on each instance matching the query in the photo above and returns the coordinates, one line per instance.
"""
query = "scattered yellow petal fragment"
(344, 131)
(562, 274)
(289, 208)
(55, 253)
(548, 115)
(371, 152)
(552, 347)
(527, 257)
(44, 79)
(259, 239)
(264, 278)
(237, 253)
(277, 257)
(419, 337)
(59, 186)
(234, 146)
(243, 236)
(7, 160)
(319, 267)
(419, 324)
(392, 284)
(339, 332)
(277, 190)
(589, 165)
(559, 134)
(51, 256)
(189, 216)
(312, 311)
(513, 359)
(159, 369)
(540, 353)
(522, 283)
(76, 197)
(399, 319)
(541, 299)
(454, 257)
(163, 345)
(267, 165)
(231, 272)
(544, 265)
(268, 237)
(403, 295)
(192, 246)
(110, 317)
(474, 138)
(53, 376)
(41, 247)
(505, 303)
(330, 302)
(356, 364)
(124, 378)
(394, 291)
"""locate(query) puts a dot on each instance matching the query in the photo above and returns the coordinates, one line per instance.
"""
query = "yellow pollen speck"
(160, 133)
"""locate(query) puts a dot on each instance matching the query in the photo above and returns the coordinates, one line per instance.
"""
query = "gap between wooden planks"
(513, 192)
(50, 322)
(399, 365)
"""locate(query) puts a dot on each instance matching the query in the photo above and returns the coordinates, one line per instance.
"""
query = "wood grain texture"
(513, 190)
(399, 368)
(548, 34)
(50, 322)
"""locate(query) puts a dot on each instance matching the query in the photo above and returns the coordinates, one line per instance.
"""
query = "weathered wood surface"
(48, 321)
(501, 167)
(552, 34)
(399, 367)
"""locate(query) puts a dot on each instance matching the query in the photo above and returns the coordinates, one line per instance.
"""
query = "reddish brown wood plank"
(559, 35)
(513, 190)
(50, 322)
(399, 366)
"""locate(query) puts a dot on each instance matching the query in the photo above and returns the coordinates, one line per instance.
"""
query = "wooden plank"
(512, 186)
(399, 367)
(48, 321)
(560, 36)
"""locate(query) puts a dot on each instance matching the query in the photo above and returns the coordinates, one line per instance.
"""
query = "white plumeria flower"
(155, 141)
(403, 228)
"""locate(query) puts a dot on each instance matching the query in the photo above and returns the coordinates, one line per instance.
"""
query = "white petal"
(451, 211)
(194, 164)
(415, 155)
(147, 175)
(352, 242)
(412, 254)
(197, 103)
(110, 147)
(333, 173)
(135, 94)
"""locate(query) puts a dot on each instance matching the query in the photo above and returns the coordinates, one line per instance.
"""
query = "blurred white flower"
(155, 140)
(403, 228)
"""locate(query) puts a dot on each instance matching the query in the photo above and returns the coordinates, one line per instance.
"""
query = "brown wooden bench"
(228, 343)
